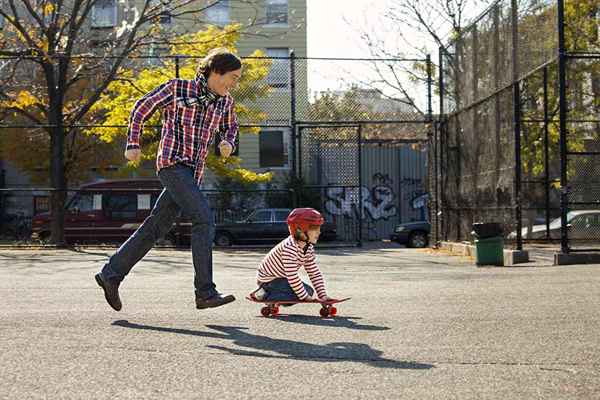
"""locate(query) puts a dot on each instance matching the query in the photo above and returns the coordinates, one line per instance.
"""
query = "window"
(280, 67)
(277, 12)
(273, 149)
(41, 204)
(104, 14)
(261, 217)
(218, 13)
(120, 206)
(82, 203)
(143, 201)
(281, 216)
(165, 17)
(157, 55)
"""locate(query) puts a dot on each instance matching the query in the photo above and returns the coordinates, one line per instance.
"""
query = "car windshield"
(555, 224)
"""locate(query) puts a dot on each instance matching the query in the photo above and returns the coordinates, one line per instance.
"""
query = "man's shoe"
(214, 301)
(111, 291)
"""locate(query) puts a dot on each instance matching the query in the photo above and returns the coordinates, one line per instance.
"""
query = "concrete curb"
(511, 257)
(576, 258)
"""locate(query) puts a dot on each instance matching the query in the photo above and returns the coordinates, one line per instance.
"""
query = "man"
(192, 111)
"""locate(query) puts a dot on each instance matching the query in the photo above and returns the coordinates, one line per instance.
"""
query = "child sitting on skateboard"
(277, 276)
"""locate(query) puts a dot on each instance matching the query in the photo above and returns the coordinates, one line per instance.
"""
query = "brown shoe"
(215, 301)
(111, 291)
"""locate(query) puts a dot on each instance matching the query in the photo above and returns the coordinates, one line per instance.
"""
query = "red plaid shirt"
(187, 131)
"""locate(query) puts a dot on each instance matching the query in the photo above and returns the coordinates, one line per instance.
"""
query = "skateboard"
(272, 307)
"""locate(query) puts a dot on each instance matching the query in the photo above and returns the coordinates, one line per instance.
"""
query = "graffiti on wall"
(378, 201)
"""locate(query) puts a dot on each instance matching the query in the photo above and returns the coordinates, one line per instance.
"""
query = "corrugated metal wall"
(393, 177)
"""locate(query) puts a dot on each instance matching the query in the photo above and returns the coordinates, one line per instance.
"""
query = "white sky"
(330, 35)
(334, 31)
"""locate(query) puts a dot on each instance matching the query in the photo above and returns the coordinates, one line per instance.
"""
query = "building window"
(104, 14)
(280, 68)
(165, 17)
(277, 12)
(218, 13)
(273, 149)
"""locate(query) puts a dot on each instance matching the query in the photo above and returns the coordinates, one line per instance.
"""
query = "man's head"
(305, 224)
(222, 70)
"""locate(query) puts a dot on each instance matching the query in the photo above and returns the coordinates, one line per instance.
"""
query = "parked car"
(262, 225)
(582, 225)
(111, 210)
(104, 211)
(412, 234)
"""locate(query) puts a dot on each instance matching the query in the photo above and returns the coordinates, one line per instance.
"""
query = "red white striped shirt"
(186, 130)
(285, 260)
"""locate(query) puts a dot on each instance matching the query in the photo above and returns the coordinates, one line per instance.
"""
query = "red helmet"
(303, 218)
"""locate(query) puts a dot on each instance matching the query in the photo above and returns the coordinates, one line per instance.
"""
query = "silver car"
(582, 224)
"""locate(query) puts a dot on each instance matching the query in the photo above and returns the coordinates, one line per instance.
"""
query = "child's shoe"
(259, 294)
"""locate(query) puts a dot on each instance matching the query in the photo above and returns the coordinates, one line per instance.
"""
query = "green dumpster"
(489, 251)
(489, 243)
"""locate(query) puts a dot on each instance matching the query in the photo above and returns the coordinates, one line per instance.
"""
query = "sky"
(333, 29)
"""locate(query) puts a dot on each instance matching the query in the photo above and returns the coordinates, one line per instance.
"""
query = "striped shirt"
(285, 260)
(187, 130)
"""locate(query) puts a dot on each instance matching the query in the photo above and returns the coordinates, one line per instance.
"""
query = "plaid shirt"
(187, 131)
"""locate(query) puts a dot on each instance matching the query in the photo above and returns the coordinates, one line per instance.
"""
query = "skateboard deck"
(272, 306)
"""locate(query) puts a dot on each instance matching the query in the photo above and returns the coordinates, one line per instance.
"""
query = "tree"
(365, 104)
(116, 103)
(420, 28)
(73, 65)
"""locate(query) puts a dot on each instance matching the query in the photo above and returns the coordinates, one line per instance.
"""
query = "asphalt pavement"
(420, 325)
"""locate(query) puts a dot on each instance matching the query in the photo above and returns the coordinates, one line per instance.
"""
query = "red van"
(104, 211)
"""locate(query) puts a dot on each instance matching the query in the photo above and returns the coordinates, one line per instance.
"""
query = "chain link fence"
(298, 118)
(519, 141)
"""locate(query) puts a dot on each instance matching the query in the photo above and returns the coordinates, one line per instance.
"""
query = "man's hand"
(133, 155)
(225, 148)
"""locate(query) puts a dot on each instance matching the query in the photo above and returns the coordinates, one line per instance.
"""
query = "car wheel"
(43, 236)
(223, 239)
(418, 240)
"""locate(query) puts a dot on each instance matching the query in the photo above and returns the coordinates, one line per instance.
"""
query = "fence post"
(546, 155)
(429, 84)
(293, 126)
(360, 197)
(517, 120)
(562, 85)
(438, 146)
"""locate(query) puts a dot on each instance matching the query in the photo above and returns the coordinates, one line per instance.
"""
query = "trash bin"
(489, 243)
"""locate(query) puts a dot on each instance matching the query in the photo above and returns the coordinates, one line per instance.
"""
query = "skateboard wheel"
(275, 310)
(332, 311)
(265, 311)
(324, 312)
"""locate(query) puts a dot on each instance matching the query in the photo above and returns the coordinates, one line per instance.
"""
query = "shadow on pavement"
(287, 349)
(337, 322)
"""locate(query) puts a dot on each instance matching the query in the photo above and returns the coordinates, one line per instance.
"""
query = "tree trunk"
(57, 176)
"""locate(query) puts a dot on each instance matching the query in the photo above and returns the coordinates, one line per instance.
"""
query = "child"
(278, 277)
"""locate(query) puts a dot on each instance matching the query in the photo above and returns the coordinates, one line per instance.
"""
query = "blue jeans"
(280, 290)
(180, 192)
